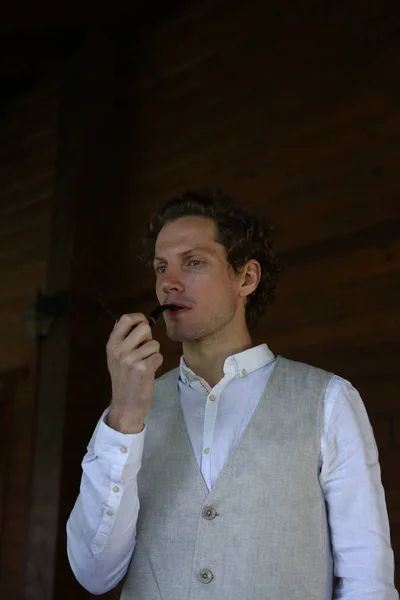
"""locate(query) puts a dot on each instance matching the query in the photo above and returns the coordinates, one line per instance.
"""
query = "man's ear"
(251, 276)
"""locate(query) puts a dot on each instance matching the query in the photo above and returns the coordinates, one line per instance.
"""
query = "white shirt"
(102, 527)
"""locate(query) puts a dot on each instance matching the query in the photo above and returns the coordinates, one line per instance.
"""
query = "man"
(239, 475)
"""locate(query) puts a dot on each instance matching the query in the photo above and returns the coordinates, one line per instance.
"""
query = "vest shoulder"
(303, 368)
(171, 375)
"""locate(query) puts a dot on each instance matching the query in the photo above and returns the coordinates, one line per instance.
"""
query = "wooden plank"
(35, 111)
(53, 367)
(328, 301)
(21, 184)
(16, 442)
(26, 246)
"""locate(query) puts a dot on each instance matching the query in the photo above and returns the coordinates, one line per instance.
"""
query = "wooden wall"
(293, 106)
(27, 151)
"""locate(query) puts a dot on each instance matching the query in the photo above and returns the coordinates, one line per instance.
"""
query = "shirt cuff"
(118, 448)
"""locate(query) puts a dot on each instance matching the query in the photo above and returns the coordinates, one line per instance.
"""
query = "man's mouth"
(177, 309)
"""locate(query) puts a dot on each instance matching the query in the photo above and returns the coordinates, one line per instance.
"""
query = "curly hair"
(244, 234)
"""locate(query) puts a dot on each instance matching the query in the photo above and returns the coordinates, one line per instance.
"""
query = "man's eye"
(193, 260)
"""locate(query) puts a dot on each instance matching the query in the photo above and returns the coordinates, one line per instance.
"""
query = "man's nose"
(171, 281)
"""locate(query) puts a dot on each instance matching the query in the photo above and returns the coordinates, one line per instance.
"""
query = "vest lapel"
(182, 432)
(180, 429)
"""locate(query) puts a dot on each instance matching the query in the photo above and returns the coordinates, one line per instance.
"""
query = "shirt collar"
(239, 365)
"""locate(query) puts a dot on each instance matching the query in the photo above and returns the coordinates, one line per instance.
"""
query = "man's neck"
(207, 360)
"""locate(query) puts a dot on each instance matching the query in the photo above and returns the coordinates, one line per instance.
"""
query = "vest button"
(205, 576)
(209, 513)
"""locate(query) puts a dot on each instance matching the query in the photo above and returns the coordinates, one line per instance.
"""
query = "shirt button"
(244, 372)
(205, 576)
(110, 512)
(124, 449)
(212, 398)
(116, 489)
(206, 450)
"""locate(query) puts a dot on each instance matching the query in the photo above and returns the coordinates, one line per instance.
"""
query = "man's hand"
(133, 358)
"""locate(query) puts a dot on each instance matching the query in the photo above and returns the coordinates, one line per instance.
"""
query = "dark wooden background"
(293, 106)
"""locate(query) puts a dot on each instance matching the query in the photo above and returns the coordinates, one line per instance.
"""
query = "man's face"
(191, 269)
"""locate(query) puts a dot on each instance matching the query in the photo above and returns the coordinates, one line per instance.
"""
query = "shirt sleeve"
(350, 478)
(101, 529)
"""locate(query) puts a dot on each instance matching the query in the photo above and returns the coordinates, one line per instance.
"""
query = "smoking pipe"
(159, 310)
(154, 315)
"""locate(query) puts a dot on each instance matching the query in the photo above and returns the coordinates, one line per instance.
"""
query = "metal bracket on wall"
(40, 316)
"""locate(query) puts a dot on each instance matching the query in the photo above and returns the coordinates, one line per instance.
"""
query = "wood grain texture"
(27, 150)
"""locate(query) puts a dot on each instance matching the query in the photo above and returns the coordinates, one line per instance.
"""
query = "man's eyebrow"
(194, 249)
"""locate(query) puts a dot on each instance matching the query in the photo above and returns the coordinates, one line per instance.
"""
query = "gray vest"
(261, 533)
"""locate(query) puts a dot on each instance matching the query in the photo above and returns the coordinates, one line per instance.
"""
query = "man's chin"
(177, 334)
